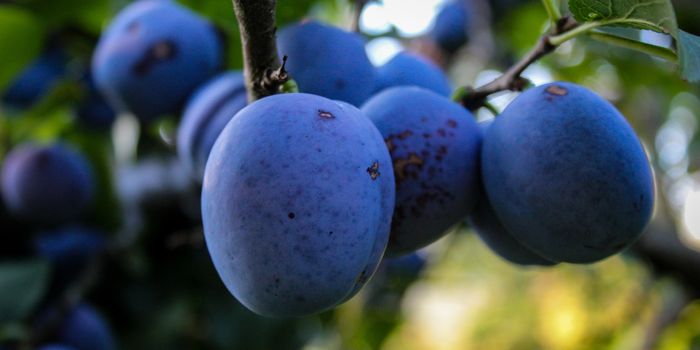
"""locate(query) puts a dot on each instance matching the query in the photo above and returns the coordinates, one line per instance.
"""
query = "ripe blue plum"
(37, 79)
(491, 231)
(328, 61)
(207, 112)
(410, 69)
(85, 329)
(434, 145)
(69, 249)
(152, 56)
(296, 203)
(566, 174)
(450, 29)
(47, 184)
(94, 112)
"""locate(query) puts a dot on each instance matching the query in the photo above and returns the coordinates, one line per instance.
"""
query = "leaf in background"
(656, 15)
(22, 284)
(689, 55)
(21, 38)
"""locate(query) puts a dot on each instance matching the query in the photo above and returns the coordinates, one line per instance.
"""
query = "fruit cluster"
(304, 193)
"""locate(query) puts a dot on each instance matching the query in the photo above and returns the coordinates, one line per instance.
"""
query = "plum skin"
(434, 144)
(47, 184)
(207, 112)
(410, 69)
(327, 61)
(83, 328)
(152, 56)
(296, 203)
(450, 29)
(492, 232)
(566, 174)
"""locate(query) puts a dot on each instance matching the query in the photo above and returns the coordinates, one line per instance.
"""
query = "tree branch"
(262, 70)
(512, 79)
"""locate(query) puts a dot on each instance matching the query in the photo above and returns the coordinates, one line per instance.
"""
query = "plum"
(491, 231)
(85, 329)
(434, 145)
(37, 79)
(327, 61)
(69, 249)
(566, 175)
(94, 111)
(450, 28)
(152, 56)
(410, 69)
(206, 114)
(296, 203)
(47, 184)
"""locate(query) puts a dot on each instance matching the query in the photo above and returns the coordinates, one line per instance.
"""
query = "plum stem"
(264, 75)
(512, 79)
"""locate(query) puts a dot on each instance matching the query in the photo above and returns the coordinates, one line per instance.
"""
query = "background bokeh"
(159, 290)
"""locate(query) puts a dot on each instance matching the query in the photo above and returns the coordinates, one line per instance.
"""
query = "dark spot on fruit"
(390, 143)
(404, 135)
(340, 84)
(442, 150)
(291, 215)
(451, 123)
(325, 114)
(159, 52)
(330, 233)
(557, 90)
(442, 132)
(373, 170)
(401, 164)
(423, 120)
(426, 135)
(132, 27)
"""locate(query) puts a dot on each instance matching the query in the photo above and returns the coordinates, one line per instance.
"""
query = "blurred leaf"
(89, 15)
(13, 331)
(21, 38)
(689, 50)
(22, 284)
(654, 15)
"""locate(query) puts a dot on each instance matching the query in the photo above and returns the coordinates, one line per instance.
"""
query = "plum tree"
(450, 28)
(296, 203)
(69, 249)
(434, 145)
(36, 79)
(152, 56)
(566, 174)
(491, 231)
(206, 114)
(85, 329)
(410, 69)
(49, 184)
(328, 61)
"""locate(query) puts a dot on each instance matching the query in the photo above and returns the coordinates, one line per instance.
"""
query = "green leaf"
(21, 37)
(22, 284)
(689, 55)
(656, 15)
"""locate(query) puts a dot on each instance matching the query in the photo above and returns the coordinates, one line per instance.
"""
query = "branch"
(357, 12)
(256, 22)
(512, 79)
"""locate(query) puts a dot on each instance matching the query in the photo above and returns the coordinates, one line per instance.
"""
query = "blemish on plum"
(373, 170)
(451, 123)
(406, 134)
(325, 114)
(557, 90)
(160, 52)
(291, 215)
(401, 164)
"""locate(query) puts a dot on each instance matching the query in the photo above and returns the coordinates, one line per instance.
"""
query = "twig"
(263, 73)
(357, 12)
(512, 79)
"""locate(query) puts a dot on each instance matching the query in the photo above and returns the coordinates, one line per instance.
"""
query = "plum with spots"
(296, 203)
(46, 184)
(206, 114)
(152, 56)
(327, 61)
(491, 231)
(450, 28)
(434, 145)
(410, 69)
(566, 174)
